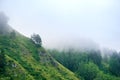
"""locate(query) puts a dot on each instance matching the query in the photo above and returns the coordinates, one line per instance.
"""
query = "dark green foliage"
(66, 58)
(89, 65)
(2, 62)
(95, 57)
(102, 76)
(36, 39)
(88, 71)
(115, 64)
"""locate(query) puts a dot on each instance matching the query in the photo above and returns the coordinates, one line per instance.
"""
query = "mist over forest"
(59, 40)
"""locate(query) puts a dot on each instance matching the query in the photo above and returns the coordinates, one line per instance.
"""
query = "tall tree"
(36, 39)
(88, 70)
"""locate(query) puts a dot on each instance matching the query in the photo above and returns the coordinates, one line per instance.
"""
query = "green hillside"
(21, 59)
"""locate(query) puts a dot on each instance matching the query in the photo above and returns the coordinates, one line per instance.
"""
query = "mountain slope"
(25, 61)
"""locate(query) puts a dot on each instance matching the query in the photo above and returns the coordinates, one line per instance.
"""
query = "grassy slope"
(25, 61)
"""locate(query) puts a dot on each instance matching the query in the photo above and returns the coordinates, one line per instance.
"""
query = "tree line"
(90, 65)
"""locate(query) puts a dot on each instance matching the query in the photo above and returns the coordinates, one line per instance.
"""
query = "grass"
(26, 61)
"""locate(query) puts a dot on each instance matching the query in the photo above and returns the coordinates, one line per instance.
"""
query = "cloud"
(3, 18)
(4, 27)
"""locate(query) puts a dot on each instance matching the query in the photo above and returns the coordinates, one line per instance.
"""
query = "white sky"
(66, 21)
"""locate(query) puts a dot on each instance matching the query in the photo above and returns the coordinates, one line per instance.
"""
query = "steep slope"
(23, 60)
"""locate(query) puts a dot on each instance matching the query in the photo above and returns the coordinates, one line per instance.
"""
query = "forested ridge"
(91, 64)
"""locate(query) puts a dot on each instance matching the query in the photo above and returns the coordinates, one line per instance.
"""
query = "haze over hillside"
(4, 27)
(62, 21)
(59, 40)
(23, 58)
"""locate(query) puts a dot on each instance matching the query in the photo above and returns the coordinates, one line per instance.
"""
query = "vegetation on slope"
(90, 65)
(22, 59)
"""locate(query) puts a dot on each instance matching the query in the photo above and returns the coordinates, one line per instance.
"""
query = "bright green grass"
(26, 61)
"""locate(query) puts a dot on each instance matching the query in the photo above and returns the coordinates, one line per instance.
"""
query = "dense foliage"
(2, 62)
(21, 59)
(90, 65)
(36, 39)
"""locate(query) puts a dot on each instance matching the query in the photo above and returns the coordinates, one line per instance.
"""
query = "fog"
(62, 23)
(3, 18)
(4, 26)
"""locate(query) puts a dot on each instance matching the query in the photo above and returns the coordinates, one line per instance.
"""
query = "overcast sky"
(67, 21)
